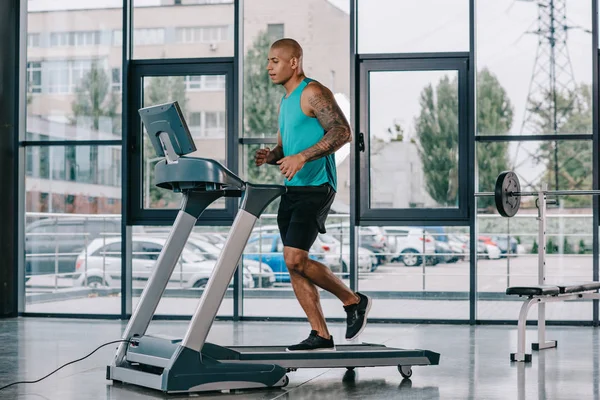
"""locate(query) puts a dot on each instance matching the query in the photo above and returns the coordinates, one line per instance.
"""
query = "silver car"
(100, 263)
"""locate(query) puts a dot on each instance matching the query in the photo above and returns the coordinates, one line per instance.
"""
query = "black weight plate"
(507, 183)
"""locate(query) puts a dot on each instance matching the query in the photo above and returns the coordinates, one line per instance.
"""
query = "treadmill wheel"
(286, 381)
(405, 371)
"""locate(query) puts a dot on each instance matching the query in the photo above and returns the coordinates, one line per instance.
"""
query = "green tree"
(94, 100)
(161, 89)
(261, 103)
(571, 159)
(494, 117)
(437, 134)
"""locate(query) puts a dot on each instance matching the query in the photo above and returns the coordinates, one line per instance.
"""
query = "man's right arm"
(276, 153)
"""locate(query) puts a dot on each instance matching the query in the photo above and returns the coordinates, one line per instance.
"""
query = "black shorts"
(301, 217)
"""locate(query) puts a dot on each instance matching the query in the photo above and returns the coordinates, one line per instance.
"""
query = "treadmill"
(190, 364)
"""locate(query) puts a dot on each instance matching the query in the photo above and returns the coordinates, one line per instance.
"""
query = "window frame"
(137, 214)
(413, 216)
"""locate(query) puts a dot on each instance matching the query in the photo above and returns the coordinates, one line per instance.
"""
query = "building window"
(83, 38)
(275, 31)
(214, 123)
(203, 34)
(149, 36)
(117, 37)
(34, 77)
(195, 123)
(205, 82)
(60, 77)
(115, 82)
(207, 123)
(33, 40)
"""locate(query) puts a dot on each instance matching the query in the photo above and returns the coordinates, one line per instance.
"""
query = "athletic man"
(311, 128)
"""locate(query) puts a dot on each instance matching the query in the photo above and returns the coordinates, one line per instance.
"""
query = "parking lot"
(492, 275)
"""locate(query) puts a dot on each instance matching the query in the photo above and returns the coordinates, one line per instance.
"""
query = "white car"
(262, 274)
(331, 246)
(102, 264)
(408, 244)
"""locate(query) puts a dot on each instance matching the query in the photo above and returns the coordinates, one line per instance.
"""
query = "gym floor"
(474, 362)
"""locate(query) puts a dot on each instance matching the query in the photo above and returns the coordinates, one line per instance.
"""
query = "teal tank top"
(298, 133)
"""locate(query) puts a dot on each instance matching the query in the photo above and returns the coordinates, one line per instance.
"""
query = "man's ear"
(294, 62)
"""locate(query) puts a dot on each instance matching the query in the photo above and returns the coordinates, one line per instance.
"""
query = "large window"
(416, 27)
(413, 115)
(442, 97)
(206, 117)
(72, 190)
(536, 77)
(72, 205)
(534, 81)
(189, 29)
(322, 29)
(70, 72)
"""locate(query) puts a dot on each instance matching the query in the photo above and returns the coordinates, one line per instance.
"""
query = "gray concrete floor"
(474, 362)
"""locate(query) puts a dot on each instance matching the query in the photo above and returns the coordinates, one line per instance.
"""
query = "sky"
(402, 26)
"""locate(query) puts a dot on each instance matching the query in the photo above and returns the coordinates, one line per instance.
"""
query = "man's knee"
(295, 259)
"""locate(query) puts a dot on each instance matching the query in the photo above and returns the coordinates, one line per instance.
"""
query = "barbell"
(507, 193)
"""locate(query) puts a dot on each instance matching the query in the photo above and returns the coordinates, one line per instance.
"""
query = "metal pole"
(423, 261)
(508, 254)
(56, 255)
(542, 263)
(547, 193)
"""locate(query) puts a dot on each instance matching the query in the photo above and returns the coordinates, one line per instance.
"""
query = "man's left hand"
(290, 165)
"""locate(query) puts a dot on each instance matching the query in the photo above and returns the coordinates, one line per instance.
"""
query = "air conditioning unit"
(213, 46)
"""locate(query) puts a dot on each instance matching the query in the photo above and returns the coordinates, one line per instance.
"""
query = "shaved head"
(284, 61)
(289, 47)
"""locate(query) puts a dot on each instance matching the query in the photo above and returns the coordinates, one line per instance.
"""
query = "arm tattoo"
(275, 155)
(331, 118)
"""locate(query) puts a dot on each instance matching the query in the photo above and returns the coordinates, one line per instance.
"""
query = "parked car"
(101, 261)
(410, 244)
(268, 248)
(447, 251)
(335, 251)
(52, 244)
(330, 245)
(370, 237)
(502, 243)
(491, 248)
(262, 274)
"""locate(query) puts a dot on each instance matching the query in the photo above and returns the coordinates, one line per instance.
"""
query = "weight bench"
(541, 294)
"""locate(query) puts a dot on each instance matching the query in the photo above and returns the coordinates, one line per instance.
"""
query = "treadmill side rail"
(218, 283)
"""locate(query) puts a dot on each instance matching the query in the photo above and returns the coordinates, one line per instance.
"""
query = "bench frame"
(542, 299)
(542, 343)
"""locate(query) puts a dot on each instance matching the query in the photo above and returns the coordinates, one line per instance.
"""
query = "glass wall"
(73, 199)
(72, 210)
(426, 26)
(535, 80)
(202, 100)
(322, 28)
(181, 29)
(73, 72)
(192, 271)
(426, 150)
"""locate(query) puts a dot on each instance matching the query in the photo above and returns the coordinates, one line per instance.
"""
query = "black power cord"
(69, 363)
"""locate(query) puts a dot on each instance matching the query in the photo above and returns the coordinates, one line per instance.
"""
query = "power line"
(552, 74)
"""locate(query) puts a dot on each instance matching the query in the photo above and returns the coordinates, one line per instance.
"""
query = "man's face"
(280, 65)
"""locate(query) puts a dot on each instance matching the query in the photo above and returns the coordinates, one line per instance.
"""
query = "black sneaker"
(356, 316)
(313, 342)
